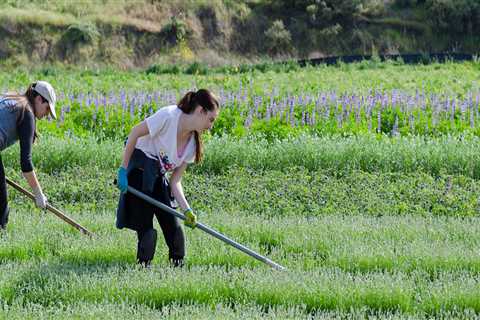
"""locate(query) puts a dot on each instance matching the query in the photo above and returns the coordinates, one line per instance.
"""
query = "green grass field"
(368, 226)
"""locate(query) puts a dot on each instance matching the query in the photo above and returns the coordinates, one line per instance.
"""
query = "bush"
(278, 39)
(461, 16)
(196, 68)
(175, 31)
(163, 69)
(81, 33)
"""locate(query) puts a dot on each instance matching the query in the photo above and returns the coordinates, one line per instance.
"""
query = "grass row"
(298, 193)
(434, 156)
(457, 78)
(85, 310)
(53, 284)
(355, 244)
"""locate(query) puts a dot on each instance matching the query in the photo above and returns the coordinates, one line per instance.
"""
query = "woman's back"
(8, 122)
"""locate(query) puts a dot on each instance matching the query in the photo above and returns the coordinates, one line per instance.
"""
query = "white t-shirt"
(161, 142)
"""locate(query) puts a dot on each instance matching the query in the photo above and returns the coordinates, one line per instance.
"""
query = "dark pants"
(3, 197)
(140, 215)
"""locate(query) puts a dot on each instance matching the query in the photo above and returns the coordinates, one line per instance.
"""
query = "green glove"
(190, 218)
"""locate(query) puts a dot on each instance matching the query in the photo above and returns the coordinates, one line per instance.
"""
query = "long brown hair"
(26, 103)
(189, 102)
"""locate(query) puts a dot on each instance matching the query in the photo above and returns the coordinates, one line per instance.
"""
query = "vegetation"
(368, 223)
(142, 33)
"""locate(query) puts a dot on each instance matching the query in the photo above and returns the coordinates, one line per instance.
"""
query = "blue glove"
(122, 181)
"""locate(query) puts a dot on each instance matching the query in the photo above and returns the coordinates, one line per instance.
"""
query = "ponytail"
(198, 147)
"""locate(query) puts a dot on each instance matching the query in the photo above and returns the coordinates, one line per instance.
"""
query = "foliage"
(81, 33)
(278, 39)
(368, 221)
(176, 30)
(460, 16)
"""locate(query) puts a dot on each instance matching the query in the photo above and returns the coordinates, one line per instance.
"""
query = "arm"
(138, 131)
(176, 186)
(26, 131)
(32, 180)
(25, 135)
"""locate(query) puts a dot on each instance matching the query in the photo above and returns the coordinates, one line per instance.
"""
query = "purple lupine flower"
(411, 121)
(453, 106)
(463, 107)
(395, 131)
(379, 121)
(471, 112)
(249, 120)
(292, 118)
(80, 100)
(132, 107)
(87, 100)
(435, 111)
(477, 104)
(357, 111)
(369, 119)
(257, 100)
(97, 105)
(62, 115)
(104, 102)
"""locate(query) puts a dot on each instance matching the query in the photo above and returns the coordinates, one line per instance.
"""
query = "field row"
(57, 284)
(436, 77)
(357, 244)
(337, 155)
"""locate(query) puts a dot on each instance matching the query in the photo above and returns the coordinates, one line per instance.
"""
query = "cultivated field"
(363, 180)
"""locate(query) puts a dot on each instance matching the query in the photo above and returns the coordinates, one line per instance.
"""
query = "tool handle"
(52, 209)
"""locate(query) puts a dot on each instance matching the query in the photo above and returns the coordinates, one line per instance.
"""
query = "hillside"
(138, 33)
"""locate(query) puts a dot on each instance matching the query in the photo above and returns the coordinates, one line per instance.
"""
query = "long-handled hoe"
(156, 203)
(206, 229)
(55, 211)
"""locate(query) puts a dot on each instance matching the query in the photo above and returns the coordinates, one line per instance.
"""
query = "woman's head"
(39, 99)
(204, 108)
(42, 98)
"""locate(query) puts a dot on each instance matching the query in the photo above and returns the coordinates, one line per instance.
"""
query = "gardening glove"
(122, 181)
(190, 218)
(40, 199)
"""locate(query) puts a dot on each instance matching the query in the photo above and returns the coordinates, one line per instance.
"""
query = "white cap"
(45, 89)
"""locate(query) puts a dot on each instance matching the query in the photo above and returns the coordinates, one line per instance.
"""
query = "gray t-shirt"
(13, 127)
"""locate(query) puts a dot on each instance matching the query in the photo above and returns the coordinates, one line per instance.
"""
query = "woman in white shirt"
(167, 141)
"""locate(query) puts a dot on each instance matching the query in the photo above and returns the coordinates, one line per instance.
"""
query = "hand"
(190, 218)
(40, 199)
(122, 181)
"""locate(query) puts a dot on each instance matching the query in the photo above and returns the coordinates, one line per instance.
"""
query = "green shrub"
(196, 68)
(278, 39)
(81, 33)
(163, 69)
(175, 31)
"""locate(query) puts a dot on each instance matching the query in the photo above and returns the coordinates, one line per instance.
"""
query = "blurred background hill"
(130, 34)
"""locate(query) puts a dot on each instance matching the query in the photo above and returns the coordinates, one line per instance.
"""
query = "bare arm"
(176, 186)
(32, 180)
(138, 131)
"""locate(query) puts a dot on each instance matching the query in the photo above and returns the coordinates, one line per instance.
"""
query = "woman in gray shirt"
(17, 122)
